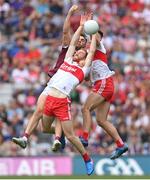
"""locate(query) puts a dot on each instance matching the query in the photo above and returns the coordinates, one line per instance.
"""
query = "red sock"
(57, 138)
(26, 135)
(86, 157)
(85, 135)
(119, 143)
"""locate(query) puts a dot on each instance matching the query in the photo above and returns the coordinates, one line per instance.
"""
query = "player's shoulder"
(101, 47)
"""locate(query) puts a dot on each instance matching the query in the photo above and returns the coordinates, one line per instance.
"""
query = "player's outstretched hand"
(83, 19)
(73, 9)
(89, 15)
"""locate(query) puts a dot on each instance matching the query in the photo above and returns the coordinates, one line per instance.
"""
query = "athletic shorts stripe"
(102, 86)
(69, 108)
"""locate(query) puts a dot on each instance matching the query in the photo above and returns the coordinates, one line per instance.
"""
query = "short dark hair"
(101, 33)
(85, 37)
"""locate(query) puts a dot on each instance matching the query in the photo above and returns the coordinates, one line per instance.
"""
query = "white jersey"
(99, 68)
(68, 76)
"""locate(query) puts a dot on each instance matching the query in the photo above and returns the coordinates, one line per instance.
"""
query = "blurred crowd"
(30, 42)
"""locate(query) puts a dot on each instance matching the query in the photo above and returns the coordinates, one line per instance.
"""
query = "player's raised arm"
(91, 52)
(75, 37)
(66, 28)
(89, 16)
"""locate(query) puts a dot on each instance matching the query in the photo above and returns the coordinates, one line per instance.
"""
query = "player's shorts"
(58, 107)
(105, 88)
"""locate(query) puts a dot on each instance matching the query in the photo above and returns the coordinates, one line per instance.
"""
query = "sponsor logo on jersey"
(74, 70)
(67, 67)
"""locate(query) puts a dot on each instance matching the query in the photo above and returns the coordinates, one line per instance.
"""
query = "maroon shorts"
(58, 107)
(105, 88)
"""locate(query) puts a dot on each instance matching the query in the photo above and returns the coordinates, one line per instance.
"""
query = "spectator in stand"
(4, 10)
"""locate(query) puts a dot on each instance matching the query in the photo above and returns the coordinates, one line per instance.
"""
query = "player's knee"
(70, 137)
(45, 129)
(85, 109)
(39, 111)
(101, 122)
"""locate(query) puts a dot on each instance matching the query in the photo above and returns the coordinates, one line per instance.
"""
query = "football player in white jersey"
(72, 72)
(37, 115)
(99, 99)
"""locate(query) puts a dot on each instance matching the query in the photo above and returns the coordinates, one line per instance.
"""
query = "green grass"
(75, 177)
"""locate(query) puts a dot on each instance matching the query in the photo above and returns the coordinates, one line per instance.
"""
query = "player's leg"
(101, 117)
(37, 115)
(47, 120)
(33, 122)
(59, 142)
(102, 90)
(59, 135)
(52, 105)
(45, 126)
(91, 103)
(70, 135)
(58, 129)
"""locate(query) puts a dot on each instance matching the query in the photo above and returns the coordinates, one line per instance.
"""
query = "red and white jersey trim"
(100, 69)
(100, 56)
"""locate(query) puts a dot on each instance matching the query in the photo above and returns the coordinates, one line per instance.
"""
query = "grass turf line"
(74, 177)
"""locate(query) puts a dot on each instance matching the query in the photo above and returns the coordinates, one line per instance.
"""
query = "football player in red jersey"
(99, 99)
(37, 115)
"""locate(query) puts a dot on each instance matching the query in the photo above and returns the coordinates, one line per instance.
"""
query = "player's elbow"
(66, 31)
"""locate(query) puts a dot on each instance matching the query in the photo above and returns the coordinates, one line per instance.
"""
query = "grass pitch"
(75, 177)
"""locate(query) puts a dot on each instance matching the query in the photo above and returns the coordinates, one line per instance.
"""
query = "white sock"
(25, 138)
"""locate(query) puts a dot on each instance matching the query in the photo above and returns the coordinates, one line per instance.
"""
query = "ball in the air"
(91, 27)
